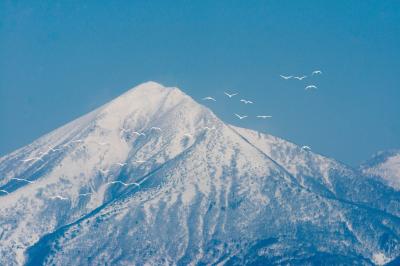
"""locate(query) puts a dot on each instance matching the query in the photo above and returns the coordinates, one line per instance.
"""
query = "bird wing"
(311, 87)
(209, 98)
(230, 95)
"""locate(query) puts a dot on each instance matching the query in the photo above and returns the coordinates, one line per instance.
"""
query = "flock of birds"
(123, 130)
(209, 98)
(240, 117)
(230, 95)
(308, 87)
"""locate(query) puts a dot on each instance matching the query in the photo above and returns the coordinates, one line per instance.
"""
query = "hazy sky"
(61, 59)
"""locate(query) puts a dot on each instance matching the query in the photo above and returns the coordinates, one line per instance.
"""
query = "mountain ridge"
(385, 166)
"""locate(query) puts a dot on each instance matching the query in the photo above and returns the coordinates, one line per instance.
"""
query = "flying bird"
(230, 95)
(209, 98)
(264, 116)
(317, 72)
(241, 117)
(311, 87)
(139, 133)
(306, 148)
(300, 78)
(24, 180)
(286, 77)
(4, 191)
(52, 149)
(59, 197)
(124, 184)
(245, 101)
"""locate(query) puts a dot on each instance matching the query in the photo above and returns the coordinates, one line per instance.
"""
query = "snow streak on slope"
(153, 177)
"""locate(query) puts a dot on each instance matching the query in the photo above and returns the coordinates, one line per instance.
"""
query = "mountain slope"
(386, 166)
(153, 177)
(325, 175)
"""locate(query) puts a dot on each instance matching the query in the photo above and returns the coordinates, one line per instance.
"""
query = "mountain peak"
(150, 88)
(150, 83)
(144, 96)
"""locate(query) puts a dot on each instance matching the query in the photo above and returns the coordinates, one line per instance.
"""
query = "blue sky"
(61, 59)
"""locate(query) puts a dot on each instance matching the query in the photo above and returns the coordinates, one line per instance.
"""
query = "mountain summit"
(153, 177)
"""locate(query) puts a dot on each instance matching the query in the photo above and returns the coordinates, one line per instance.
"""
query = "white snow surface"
(388, 169)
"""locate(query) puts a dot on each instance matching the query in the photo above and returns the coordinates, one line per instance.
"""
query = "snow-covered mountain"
(384, 165)
(155, 178)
